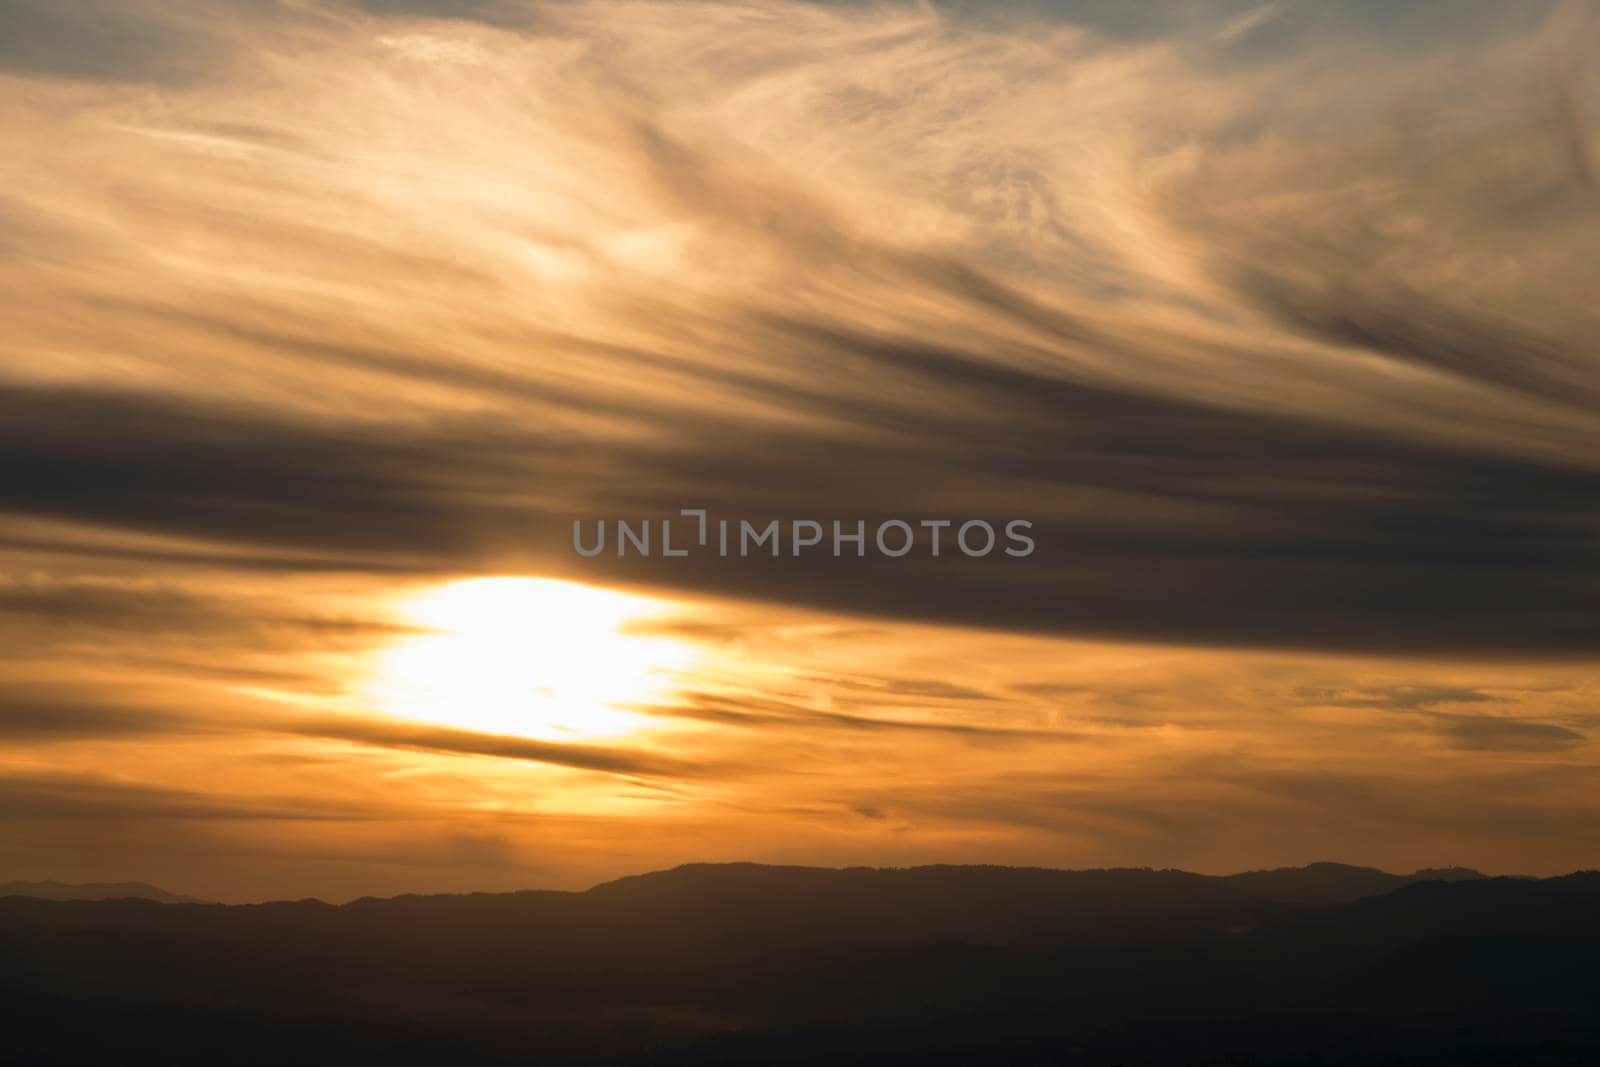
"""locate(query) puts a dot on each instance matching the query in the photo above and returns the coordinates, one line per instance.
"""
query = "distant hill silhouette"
(740, 963)
(1328, 883)
(94, 891)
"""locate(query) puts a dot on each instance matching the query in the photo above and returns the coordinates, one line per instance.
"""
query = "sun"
(529, 656)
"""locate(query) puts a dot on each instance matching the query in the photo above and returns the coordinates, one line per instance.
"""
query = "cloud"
(1495, 733)
(895, 690)
(1280, 349)
(91, 798)
(428, 737)
(43, 714)
(495, 12)
(119, 40)
(1509, 735)
(66, 607)
(765, 712)
(1398, 697)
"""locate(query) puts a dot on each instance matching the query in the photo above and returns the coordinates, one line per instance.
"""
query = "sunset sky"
(321, 321)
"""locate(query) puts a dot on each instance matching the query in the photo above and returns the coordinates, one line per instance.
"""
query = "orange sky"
(269, 737)
(322, 325)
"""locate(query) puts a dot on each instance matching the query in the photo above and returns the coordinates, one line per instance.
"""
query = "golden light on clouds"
(323, 322)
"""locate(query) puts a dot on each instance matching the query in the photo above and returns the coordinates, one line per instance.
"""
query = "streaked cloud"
(1275, 318)
(1306, 333)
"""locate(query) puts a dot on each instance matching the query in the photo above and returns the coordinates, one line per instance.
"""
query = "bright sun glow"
(528, 656)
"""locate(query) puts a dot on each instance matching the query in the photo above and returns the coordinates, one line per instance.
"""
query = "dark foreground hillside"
(764, 965)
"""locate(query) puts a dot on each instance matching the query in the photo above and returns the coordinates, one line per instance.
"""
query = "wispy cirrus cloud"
(1303, 332)
(1273, 317)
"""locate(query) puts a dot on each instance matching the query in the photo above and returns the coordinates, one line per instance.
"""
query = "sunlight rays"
(527, 656)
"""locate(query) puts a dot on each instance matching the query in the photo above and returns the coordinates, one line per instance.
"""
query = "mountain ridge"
(741, 963)
(50, 889)
(1280, 879)
(1319, 882)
